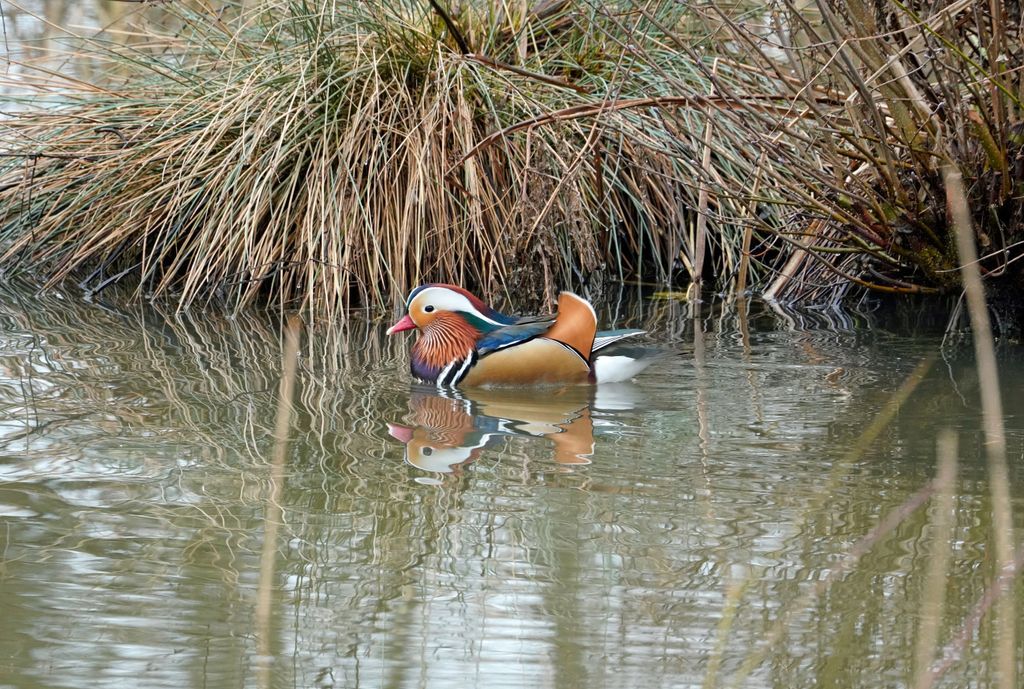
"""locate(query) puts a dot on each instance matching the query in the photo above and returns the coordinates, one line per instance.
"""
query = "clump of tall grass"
(336, 153)
(881, 96)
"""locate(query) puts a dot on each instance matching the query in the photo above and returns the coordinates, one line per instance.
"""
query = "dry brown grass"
(335, 155)
(332, 155)
(879, 95)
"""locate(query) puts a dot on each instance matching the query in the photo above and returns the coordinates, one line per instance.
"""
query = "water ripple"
(618, 537)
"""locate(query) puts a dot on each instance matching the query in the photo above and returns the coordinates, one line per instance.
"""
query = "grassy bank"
(327, 155)
(890, 94)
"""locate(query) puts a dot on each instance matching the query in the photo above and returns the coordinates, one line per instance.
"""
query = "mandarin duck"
(465, 343)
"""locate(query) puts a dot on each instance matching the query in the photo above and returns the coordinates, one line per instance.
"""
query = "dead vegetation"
(328, 155)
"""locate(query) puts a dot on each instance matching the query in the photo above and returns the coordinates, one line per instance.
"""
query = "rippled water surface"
(714, 523)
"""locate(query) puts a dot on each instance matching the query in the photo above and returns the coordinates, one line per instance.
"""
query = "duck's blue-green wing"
(510, 335)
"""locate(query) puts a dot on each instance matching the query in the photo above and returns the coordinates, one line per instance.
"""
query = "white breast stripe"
(441, 382)
(450, 376)
(467, 362)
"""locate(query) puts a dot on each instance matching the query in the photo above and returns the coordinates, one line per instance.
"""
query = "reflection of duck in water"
(452, 429)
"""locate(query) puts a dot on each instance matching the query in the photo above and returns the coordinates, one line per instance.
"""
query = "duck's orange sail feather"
(575, 324)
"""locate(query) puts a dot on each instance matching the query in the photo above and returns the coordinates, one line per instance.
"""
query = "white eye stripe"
(447, 300)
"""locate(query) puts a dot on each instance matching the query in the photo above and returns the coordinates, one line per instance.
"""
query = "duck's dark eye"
(427, 451)
(428, 309)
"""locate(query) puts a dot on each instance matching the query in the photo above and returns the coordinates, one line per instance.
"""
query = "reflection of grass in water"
(801, 602)
(928, 666)
(202, 386)
(992, 413)
(213, 376)
(940, 546)
(208, 376)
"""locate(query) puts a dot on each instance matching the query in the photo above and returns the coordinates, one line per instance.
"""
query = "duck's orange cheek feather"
(443, 341)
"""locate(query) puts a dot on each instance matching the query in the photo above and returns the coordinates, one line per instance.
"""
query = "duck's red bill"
(404, 324)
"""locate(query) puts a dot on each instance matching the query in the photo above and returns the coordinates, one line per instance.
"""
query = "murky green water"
(691, 529)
